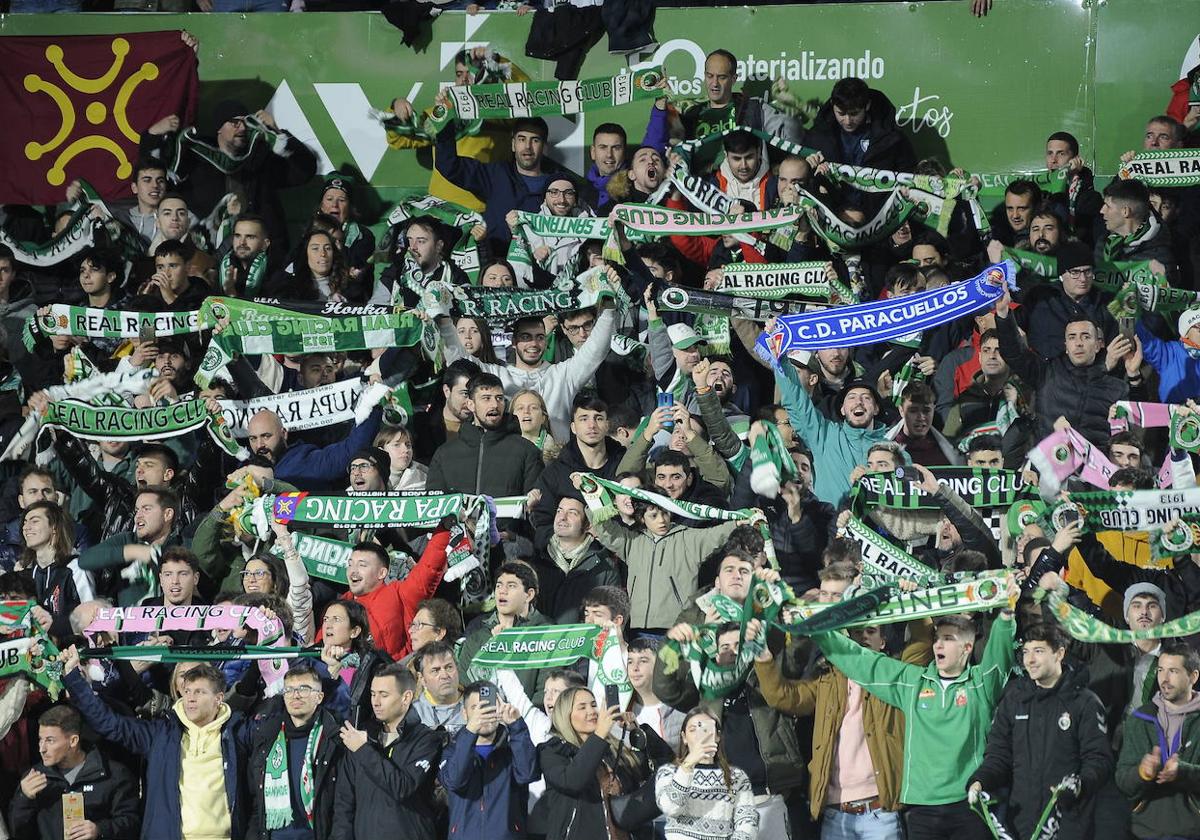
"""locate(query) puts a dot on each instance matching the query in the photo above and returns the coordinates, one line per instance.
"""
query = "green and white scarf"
(1110, 276)
(772, 281)
(92, 422)
(255, 274)
(883, 560)
(1117, 245)
(1164, 167)
(947, 190)
(994, 184)
(1087, 628)
(1127, 510)
(540, 99)
(372, 510)
(465, 253)
(771, 463)
(554, 646)
(277, 790)
(980, 488)
(322, 557)
(90, 322)
(1151, 297)
(311, 408)
(256, 328)
(79, 234)
(257, 134)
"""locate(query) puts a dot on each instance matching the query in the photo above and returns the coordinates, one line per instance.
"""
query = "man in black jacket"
(109, 790)
(1048, 731)
(488, 456)
(1077, 297)
(387, 784)
(590, 450)
(294, 763)
(858, 126)
(1076, 387)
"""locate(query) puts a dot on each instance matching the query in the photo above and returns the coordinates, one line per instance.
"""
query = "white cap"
(1188, 318)
(683, 336)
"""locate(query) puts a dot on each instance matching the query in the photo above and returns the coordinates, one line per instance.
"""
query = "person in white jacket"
(557, 383)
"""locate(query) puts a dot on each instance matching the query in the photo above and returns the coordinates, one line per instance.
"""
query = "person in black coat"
(858, 126)
(110, 792)
(285, 731)
(585, 767)
(1048, 730)
(1076, 297)
(386, 783)
(1076, 386)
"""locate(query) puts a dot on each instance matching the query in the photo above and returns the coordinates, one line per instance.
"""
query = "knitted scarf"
(277, 790)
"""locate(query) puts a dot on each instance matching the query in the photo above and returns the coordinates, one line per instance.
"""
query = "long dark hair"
(304, 285)
(356, 615)
(722, 761)
(62, 534)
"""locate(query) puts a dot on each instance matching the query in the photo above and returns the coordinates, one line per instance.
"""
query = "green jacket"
(662, 570)
(1171, 809)
(836, 447)
(946, 728)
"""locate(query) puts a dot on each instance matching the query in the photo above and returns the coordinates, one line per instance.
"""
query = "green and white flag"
(323, 558)
(1164, 167)
(994, 184)
(542, 99)
(92, 422)
(257, 328)
(1127, 510)
(90, 322)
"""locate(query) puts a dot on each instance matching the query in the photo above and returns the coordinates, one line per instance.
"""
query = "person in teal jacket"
(837, 447)
(947, 705)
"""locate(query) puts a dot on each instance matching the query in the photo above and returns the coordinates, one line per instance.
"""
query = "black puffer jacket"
(1038, 737)
(555, 484)
(1083, 395)
(496, 462)
(561, 592)
(110, 800)
(574, 806)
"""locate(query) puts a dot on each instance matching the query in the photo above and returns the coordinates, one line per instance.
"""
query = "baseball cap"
(1188, 318)
(682, 336)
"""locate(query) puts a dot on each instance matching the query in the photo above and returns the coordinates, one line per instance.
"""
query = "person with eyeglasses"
(1076, 295)
(293, 762)
(552, 255)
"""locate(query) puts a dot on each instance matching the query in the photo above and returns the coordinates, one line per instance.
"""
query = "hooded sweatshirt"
(205, 808)
(1171, 717)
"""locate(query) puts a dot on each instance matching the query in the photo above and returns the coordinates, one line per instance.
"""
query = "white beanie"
(1188, 318)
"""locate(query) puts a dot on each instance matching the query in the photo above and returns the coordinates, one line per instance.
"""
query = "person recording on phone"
(487, 768)
(957, 527)
(700, 794)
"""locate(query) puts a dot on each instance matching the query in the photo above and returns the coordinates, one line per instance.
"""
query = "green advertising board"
(981, 94)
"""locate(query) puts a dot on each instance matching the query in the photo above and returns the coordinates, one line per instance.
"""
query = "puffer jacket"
(495, 462)
(1040, 736)
(110, 800)
(1083, 395)
(574, 804)
(662, 570)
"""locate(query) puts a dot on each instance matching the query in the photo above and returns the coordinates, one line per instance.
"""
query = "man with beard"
(553, 256)
(1077, 297)
(489, 456)
(425, 243)
(1160, 749)
(837, 446)
(979, 402)
(558, 382)
(246, 265)
(509, 185)
(155, 515)
(433, 428)
(304, 464)
(257, 172)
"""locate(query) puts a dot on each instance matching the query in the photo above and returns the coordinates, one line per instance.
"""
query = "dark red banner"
(75, 107)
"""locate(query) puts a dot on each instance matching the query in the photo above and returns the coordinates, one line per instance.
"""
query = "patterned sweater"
(698, 806)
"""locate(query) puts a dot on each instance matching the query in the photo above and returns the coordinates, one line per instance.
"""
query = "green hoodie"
(946, 727)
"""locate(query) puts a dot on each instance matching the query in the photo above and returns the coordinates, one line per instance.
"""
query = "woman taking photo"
(585, 768)
(701, 795)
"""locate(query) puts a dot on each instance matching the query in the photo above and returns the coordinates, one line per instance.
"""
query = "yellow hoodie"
(204, 806)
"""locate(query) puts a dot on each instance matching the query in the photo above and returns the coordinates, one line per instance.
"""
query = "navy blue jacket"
(488, 797)
(160, 742)
(324, 468)
(496, 183)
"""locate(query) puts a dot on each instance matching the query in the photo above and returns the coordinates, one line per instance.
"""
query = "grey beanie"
(1144, 588)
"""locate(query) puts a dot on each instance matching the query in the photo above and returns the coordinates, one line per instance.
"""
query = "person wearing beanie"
(1177, 363)
(1076, 296)
(369, 470)
(252, 163)
(337, 202)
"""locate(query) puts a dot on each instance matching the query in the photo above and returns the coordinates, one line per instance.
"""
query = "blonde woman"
(701, 793)
(530, 410)
(585, 766)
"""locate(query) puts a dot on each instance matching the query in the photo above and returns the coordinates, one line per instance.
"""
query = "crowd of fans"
(893, 730)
